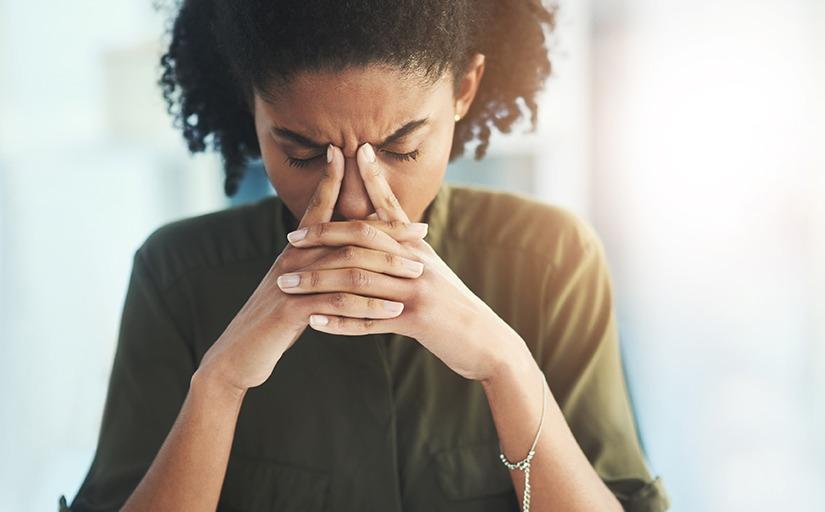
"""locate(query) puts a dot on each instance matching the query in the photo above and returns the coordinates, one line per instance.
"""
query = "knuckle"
(314, 279)
(366, 232)
(338, 300)
(347, 253)
(398, 225)
(358, 278)
(372, 303)
(368, 323)
(392, 260)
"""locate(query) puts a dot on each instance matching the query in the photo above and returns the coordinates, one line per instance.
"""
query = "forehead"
(355, 105)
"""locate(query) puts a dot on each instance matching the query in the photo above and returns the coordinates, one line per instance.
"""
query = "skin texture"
(354, 106)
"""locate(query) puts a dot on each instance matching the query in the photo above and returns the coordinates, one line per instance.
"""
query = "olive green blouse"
(374, 422)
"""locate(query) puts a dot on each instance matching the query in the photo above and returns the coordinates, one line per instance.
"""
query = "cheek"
(415, 184)
(293, 185)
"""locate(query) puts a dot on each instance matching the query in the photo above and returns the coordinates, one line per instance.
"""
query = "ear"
(470, 82)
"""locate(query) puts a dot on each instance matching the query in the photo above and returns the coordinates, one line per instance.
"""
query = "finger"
(383, 198)
(353, 326)
(322, 203)
(353, 280)
(360, 233)
(299, 256)
(350, 305)
(350, 256)
(332, 233)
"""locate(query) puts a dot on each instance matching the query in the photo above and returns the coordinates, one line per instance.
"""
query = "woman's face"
(409, 125)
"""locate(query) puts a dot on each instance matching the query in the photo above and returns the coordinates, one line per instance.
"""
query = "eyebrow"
(305, 141)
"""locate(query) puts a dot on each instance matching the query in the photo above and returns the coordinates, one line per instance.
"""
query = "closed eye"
(303, 162)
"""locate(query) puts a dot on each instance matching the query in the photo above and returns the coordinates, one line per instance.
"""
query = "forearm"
(188, 471)
(561, 477)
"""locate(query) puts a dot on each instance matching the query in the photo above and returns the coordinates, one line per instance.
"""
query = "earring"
(457, 117)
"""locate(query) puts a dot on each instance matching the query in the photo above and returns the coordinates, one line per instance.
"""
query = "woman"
(452, 328)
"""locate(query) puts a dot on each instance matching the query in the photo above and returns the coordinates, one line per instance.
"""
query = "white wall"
(708, 189)
(88, 167)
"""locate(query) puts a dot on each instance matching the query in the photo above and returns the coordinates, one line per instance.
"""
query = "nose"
(353, 200)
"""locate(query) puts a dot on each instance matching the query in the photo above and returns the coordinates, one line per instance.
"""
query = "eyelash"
(303, 162)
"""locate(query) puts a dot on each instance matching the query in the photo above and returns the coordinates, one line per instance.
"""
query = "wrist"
(512, 361)
(208, 382)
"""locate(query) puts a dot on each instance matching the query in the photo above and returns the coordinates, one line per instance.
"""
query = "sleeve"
(581, 360)
(149, 380)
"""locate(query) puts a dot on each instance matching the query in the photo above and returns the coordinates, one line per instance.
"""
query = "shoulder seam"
(584, 243)
(164, 285)
(152, 278)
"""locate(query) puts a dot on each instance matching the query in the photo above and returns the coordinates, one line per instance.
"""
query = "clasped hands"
(381, 276)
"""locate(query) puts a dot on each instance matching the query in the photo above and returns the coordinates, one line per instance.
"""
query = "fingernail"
(418, 228)
(297, 235)
(289, 280)
(318, 320)
(393, 307)
(329, 153)
(414, 266)
(369, 154)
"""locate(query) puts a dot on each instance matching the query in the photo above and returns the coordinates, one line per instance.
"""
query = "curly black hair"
(220, 51)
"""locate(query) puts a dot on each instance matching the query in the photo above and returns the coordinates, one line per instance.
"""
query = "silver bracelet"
(524, 464)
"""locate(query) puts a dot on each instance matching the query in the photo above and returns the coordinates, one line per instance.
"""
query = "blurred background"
(690, 134)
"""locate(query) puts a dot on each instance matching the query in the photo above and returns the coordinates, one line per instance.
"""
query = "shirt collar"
(436, 215)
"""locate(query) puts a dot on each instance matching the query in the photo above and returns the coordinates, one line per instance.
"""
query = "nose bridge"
(350, 150)
(351, 174)
(353, 199)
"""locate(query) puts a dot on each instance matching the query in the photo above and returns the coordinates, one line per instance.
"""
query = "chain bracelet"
(524, 465)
